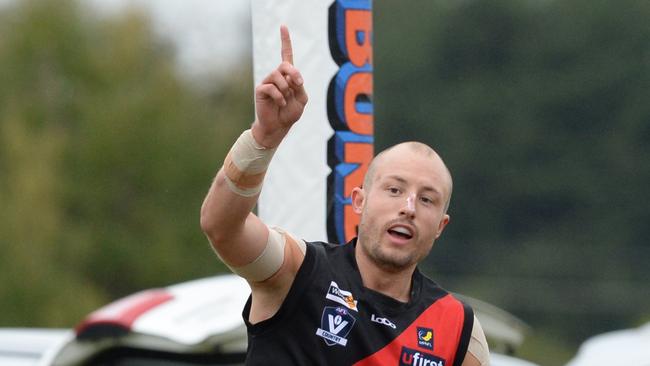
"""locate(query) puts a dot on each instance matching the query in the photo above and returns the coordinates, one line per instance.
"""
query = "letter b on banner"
(350, 112)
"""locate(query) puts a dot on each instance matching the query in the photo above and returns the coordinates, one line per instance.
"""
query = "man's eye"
(393, 190)
(426, 200)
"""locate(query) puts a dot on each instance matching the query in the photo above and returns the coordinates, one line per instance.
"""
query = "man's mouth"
(400, 231)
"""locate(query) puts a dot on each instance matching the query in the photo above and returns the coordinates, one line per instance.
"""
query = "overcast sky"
(211, 35)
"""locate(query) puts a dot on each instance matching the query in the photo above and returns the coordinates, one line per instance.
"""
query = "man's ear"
(358, 199)
(442, 224)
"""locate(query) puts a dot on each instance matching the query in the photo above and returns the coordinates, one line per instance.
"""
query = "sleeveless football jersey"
(329, 318)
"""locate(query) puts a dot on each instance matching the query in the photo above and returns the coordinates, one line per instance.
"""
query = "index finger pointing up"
(287, 50)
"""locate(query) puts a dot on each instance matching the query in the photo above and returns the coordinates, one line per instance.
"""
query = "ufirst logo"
(350, 113)
(411, 357)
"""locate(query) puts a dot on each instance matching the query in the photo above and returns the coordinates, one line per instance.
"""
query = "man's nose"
(409, 208)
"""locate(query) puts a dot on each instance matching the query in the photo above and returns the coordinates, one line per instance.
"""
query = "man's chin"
(393, 263)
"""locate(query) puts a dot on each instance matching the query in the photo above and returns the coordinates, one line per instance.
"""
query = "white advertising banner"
(307, 187)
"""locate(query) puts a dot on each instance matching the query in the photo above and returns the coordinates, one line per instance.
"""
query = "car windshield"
(140, 361)
(137, 357)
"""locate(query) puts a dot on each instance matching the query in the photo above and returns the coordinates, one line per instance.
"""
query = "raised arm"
(239, 237)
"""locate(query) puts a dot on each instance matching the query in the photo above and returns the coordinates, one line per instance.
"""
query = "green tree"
(539, 110)
(105, 156)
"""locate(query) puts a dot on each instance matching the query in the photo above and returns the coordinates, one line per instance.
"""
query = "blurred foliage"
(540, 109)
(105, 156)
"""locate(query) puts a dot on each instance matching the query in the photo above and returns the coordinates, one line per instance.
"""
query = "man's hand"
(280, 99)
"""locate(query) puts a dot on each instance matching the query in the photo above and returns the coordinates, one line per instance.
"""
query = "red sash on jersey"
(431, 340)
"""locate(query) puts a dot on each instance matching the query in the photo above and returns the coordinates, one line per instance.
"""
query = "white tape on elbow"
(478, 345)
(246, 164)
(267, 263)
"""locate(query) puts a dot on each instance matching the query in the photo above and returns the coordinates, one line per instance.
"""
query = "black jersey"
(329, 318)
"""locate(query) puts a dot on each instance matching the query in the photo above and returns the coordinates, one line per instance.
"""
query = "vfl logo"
(336, 324)
(343, 297)
(425, 338)
(383, 321)
(411, 357)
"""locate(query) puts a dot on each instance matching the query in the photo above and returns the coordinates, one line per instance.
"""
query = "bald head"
(405, 149)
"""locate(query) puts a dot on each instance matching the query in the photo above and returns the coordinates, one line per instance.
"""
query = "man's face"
(403, 210)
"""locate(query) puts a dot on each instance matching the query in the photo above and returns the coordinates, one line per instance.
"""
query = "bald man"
(362, 303)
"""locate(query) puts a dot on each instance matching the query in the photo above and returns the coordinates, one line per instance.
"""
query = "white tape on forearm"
(246, 192)
(246, 164)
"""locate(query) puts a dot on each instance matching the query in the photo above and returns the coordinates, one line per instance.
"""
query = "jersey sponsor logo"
(411, 357)
(383, 321)
(342, 297)
(425, 338)
(336, 324)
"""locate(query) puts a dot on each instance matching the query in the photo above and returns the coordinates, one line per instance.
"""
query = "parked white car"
(629, 347)
(28, 347)
(193, 323)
